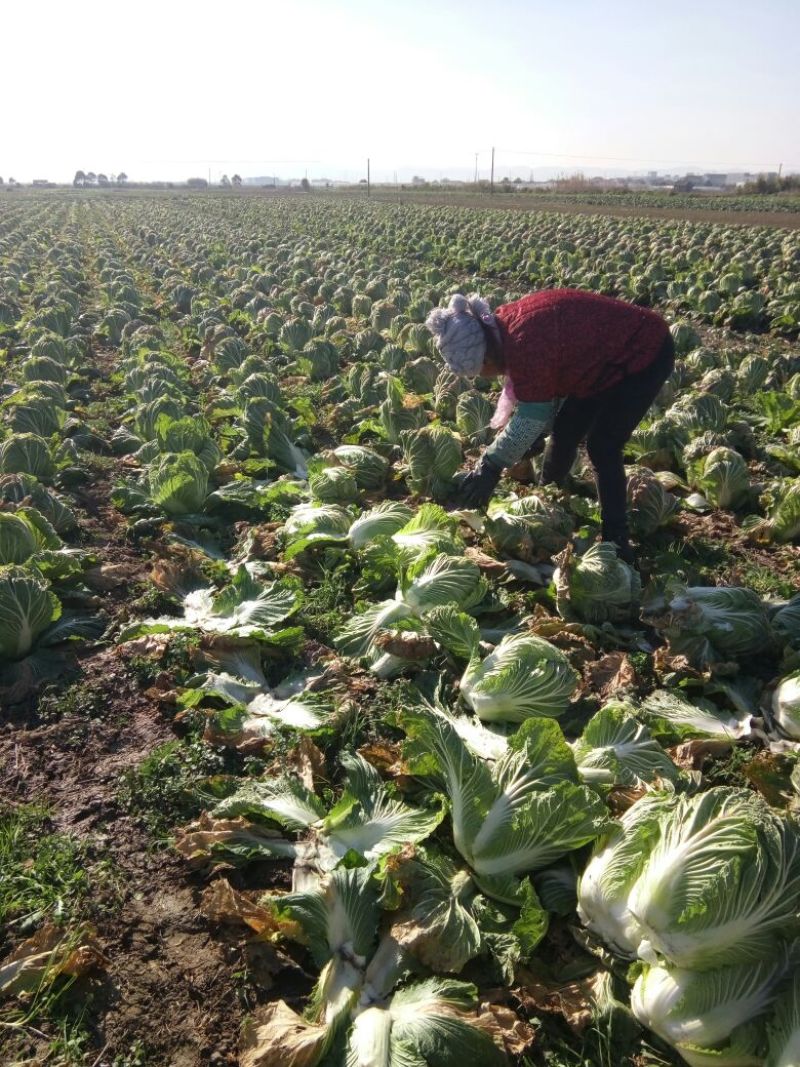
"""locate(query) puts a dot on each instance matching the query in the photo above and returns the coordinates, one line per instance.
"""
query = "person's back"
(567, 342)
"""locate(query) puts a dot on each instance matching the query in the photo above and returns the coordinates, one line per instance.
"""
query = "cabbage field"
(300, 762)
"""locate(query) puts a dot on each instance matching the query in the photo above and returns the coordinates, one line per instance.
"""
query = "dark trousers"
(606, 421)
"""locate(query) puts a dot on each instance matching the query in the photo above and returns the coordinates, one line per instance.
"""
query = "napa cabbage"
(433, 455)
(709, 623)
(530, 528)
(515, 816)
(27, 608)
(616, 750)
(523, 676)
(786, 705)
(696, 882)
(711, 1016)
(597, 587)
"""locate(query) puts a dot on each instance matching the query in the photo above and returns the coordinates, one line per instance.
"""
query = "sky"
(181, 88)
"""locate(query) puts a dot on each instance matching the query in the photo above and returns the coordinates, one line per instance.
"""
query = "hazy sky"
(169, 89)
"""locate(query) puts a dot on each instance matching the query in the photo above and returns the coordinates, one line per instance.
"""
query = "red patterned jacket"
(567, 342)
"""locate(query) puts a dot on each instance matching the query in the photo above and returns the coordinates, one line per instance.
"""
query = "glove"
(479, 485)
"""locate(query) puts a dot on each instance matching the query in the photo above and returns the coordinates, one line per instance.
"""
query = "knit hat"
(459, 334)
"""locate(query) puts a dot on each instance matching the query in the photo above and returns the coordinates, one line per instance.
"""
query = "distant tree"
(102, 179)
(305, 185)
(225, 181)
(79, 179)
(1, 181)
(505, 181)
(122, 177)
(236, 179)
(197, 183)
(13, 181)
(518, 180)
(91, 178)
(771, 183)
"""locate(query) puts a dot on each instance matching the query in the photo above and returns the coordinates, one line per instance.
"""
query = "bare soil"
(169, 985)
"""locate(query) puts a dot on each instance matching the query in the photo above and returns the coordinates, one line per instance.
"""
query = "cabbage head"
(27, 453)
(786, 622)
(783, 524)
(27, 607)
(530, 529)
(684, 336)
(786, 705)
(722, 476)
(367, 466)
(710, 624)
(420, 374)
(19, 488)
(320, 360)
(616, 750)
(597, 587)
(44, 369)
(333, 485)
(783, 1028)
(650, 506)
(473, 415)
(721, 884)
(433, 455)
(710, 1016)
(17, 539)
(696, 414)
(188, 434)
(384, 520)
(178, 483)
(396, 417)
(39, 415)
(524, 676)
(698, 882)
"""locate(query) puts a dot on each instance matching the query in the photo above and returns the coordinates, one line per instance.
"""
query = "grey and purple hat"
(459, 332)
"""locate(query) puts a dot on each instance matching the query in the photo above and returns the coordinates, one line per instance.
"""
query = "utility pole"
(491, 181)
(476, 168)
(780, 168)
(367, 176)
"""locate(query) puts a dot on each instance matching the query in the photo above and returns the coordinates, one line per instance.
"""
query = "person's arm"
(525, 427)
(521, 433)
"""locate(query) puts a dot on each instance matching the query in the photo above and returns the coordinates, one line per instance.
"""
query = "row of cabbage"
(44, 603)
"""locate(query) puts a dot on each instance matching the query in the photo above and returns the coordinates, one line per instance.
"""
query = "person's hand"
(477, 488)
